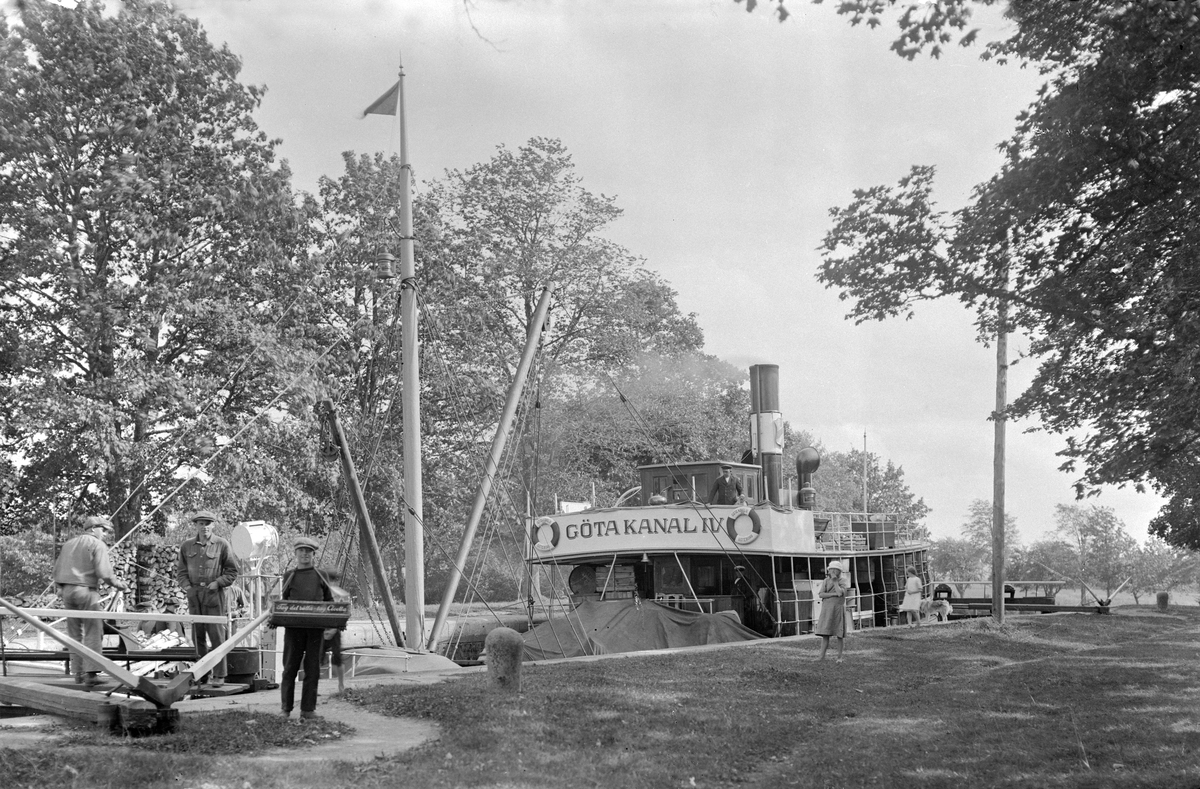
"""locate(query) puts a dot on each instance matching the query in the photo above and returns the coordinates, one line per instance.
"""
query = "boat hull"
(764, 563)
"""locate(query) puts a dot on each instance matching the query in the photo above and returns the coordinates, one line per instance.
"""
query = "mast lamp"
(385, 265)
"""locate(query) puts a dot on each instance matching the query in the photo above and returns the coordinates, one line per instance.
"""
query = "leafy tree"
(978, 529)
(1099, 543)
(1089, 231)
(663, 409)
(921, 24)
(1044, 560)
(148, 245)
(489, 238)
(1156, 566)
(957, 559)
(26, 563)
(839, 484)
(523, 220)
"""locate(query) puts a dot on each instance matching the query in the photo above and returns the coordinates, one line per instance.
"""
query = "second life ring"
(731, 525)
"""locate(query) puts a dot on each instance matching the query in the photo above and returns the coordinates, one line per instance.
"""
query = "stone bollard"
(504, 649)
(1163, 598)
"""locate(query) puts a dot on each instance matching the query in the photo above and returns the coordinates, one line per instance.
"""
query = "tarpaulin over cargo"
(373, 661)
(597, 628)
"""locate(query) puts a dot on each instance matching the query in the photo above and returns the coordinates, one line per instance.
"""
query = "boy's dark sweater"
(306, 584)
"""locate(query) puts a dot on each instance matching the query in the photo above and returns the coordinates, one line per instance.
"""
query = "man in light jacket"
(205, 568)
(81, 565)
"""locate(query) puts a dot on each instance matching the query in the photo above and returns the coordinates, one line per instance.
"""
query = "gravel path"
(374, 736)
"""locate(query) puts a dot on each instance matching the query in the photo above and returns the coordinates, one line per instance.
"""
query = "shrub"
(26, 563)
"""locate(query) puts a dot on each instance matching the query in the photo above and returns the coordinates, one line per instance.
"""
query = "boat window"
(668, 578)
(706, 578)
(750, 486)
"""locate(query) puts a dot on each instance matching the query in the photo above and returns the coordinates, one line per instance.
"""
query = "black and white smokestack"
(766, 426)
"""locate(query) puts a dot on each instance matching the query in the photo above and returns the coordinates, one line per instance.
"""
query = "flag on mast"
(385, 104)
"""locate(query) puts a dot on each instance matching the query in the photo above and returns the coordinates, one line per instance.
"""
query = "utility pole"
(998, 467)
(998, 454)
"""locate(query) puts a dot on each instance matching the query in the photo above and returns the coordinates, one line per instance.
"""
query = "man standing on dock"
(206, 567)
(81, 565)
(302, 646)
(727, 489)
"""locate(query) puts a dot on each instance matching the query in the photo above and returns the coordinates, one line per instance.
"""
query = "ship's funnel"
(766, 426)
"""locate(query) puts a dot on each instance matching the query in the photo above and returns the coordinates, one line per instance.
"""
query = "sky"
(725, 137)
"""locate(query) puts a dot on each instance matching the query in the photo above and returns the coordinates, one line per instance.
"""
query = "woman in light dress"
(832, 621)
(911, 605)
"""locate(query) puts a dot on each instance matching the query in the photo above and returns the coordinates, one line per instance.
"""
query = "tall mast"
(414, 539)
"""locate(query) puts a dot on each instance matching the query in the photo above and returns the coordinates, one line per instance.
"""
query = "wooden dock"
(65, 698)
(984, 607)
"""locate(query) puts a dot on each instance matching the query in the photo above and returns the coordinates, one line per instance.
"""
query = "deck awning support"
(688, 581)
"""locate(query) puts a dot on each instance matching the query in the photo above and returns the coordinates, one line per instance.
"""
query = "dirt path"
(374, 736)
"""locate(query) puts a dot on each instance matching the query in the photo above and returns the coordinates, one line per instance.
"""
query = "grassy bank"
(1064, 700)
(1047, 700)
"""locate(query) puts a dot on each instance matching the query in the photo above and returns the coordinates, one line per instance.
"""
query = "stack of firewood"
(156, 586)
(122, 559)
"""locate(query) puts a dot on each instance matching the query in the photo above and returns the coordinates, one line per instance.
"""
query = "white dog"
(936, 608)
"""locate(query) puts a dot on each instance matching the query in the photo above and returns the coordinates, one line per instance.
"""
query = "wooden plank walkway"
(59, 698)
(67, 699)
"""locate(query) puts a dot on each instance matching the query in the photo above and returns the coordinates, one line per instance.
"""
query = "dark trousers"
(334, 647)
(207, 637)
(301, 649)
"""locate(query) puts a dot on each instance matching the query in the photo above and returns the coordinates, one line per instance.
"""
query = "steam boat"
(759, 563)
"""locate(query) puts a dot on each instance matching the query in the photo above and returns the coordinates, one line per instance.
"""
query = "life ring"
(731, 528)
(536, 537)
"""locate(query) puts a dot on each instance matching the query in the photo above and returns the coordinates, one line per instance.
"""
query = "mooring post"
(505, 649)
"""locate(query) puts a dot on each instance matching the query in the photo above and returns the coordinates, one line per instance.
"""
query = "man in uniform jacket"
(205, 568)
(81, 565)
(727, 489)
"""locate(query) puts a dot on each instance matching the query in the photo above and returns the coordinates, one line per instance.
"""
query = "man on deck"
(206, 566)
(727, 489)
(81, 565)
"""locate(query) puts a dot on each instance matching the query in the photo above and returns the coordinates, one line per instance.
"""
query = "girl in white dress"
(911, 605)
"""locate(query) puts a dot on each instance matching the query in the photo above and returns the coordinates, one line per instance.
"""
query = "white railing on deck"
(856, 531)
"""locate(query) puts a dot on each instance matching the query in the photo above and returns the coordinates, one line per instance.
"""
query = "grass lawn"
(1076, 700)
